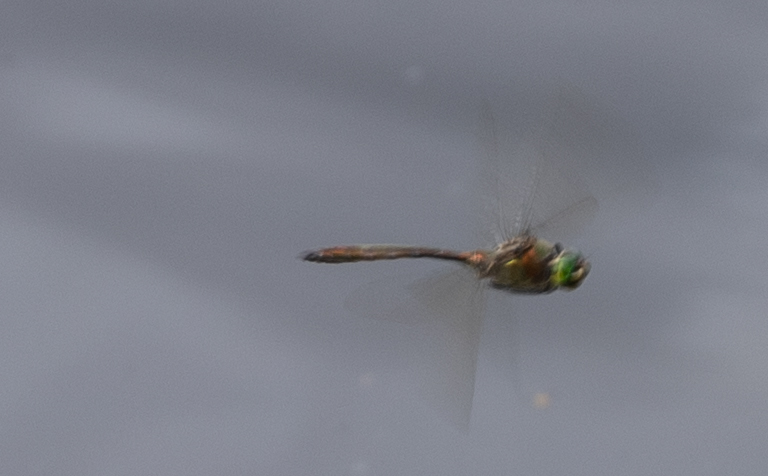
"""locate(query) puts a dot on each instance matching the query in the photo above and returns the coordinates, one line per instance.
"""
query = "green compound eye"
(569, 270)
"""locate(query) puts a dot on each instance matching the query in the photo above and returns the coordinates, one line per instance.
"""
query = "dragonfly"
(525, 264)
(521, 262)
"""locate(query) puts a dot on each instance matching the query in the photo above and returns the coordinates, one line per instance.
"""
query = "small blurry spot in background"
(542, 401)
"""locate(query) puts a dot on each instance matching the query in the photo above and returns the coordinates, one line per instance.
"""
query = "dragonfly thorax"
(529, 265)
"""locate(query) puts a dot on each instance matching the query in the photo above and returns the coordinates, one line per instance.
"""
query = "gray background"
(164, 162)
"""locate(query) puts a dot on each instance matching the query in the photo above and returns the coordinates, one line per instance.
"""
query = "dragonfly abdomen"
(354, 253)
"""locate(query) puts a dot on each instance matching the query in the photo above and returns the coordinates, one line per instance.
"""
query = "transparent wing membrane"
(531, 178)
(446, 312)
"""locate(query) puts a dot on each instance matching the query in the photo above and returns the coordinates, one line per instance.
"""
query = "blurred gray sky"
(164, 163)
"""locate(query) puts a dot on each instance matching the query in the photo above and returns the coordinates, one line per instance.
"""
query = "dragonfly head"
(568, 269)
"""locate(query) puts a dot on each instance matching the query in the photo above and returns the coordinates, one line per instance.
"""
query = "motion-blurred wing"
(531, 172)
(446, 313)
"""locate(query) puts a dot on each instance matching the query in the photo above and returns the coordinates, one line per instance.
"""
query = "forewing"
(560, 205)
(446, 311)
(453, 306)
(531, 169)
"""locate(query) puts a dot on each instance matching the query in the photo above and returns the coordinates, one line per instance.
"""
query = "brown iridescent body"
(524, 264)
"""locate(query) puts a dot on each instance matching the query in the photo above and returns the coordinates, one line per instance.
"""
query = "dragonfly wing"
(503, 185)
(532, 172)
(446, 313)
(569, 221)
(452, 305)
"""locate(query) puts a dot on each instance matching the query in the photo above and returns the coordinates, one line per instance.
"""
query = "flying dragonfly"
(522, 262)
